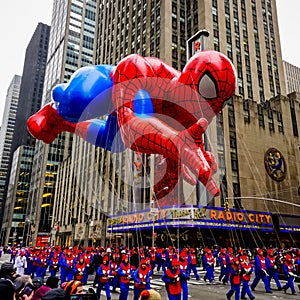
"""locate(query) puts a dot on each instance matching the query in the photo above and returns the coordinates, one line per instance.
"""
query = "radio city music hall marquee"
(190, 215)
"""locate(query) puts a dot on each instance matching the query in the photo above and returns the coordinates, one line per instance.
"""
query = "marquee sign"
(192, 216)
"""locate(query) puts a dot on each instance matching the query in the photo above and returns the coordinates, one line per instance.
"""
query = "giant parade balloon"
(145, 105)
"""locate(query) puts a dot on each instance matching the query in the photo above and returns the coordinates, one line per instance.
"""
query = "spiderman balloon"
(146, 106)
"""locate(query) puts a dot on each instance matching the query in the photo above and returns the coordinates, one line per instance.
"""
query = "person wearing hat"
(172, 278)
(54, 263)
(7, 277)
(42, 265)
(247, 269)
(261, 272)
(114, 265)
(88, 260)
(170, 255)
(290, 274)
(209, 265)
(150, 295)
(235, 279)
(104, 272)
(66, 269)
(79, 269)
(185, 267)
(192, 259)
(224, 265)
(124, 273)
(161, 259)
(141, 278)
(272, 269)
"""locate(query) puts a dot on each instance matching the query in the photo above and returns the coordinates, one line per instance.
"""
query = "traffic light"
(226, 205)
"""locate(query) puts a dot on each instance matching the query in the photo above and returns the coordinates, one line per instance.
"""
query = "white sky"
(18, 20)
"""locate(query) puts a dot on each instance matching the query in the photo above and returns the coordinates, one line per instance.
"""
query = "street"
(197, 289)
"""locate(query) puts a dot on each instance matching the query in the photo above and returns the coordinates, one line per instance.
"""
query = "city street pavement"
(198, 290)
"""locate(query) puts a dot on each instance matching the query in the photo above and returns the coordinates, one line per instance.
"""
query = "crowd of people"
(117, 267)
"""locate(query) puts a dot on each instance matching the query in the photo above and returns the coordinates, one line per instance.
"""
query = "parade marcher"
(42, 265)
(141, 278)
(192, 260)
(170, 253)
(185, 267)
(172, 278)
(114, 265)
(142, 254)
(224, 265)
(35, 263)
(153, 258)
(247, 269)
(88, 260)
(79, 269)
(104, 273)
(66, 269)
(134, 259)
(161, 260)
(235, 279)
(30, 259)
(272, 268)
(230, 256)
(97, 261)
(261, 272)
(289, 271)
(209, 265)
(54, 264)
(21, 263)
(13, 255)
(124, 273)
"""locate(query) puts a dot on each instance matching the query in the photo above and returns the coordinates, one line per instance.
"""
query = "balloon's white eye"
(207, 87)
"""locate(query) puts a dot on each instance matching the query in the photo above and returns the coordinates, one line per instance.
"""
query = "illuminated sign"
(192, 216)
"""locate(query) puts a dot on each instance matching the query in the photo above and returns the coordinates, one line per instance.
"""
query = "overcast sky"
(19, 18)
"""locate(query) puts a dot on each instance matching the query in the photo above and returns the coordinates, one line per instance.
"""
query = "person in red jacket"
(104, 273)
(172, 277)
(88, 259)
(192, 260)
(185, 267)
(54, 264)
(114, 264)
(141, 278)
(235, 279)
(247, 269)
(209, 265)
(124, 273)
(79, 269)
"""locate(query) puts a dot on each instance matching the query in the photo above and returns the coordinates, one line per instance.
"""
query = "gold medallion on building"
(275, 164)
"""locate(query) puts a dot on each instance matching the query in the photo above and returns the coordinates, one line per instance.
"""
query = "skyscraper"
(7, 130)
(14, 221)
(30, 98)
(70, 47)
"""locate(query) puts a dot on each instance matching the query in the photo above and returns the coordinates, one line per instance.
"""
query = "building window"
(246, 111)
(294, 119)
